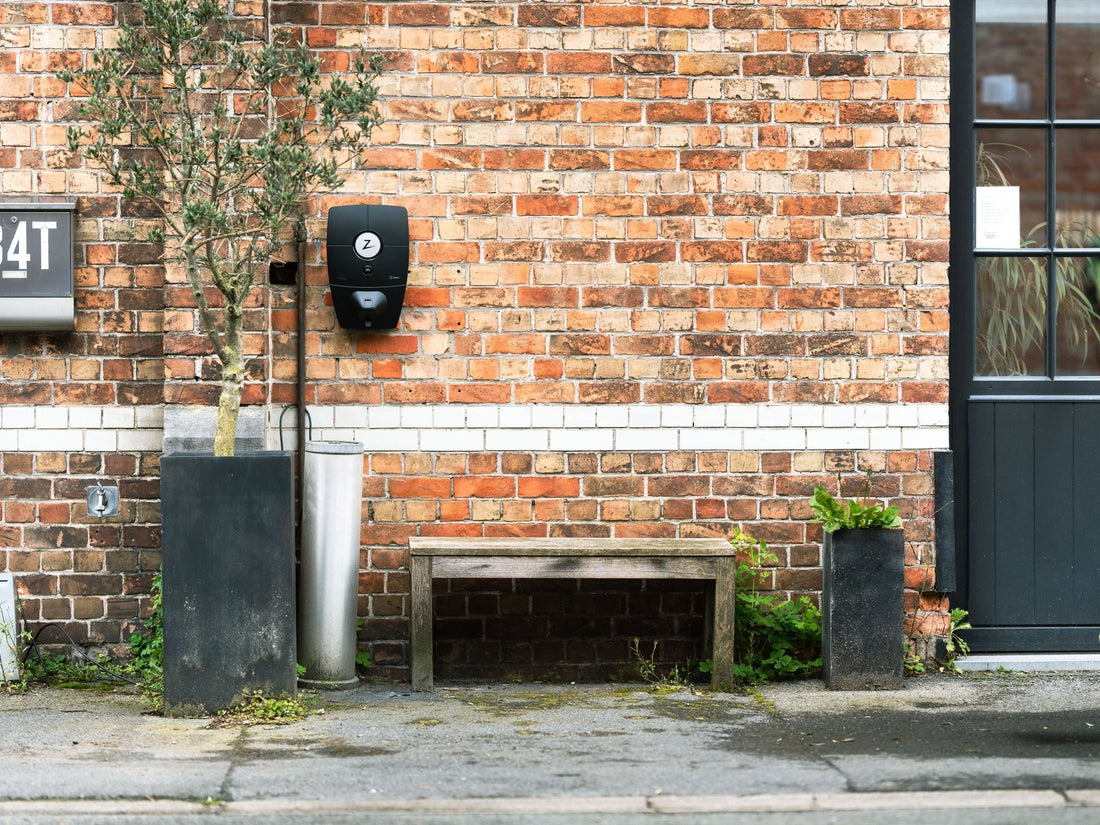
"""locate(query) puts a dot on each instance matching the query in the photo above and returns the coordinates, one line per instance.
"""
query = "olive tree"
(225, 133)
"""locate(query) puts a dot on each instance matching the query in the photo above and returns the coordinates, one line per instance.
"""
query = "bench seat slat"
(594, 547)
(574, 568)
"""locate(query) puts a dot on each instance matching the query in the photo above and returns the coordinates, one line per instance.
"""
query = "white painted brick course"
(838, 438)
(709, 415)
(485, 417)
(677, 415)
(711, 439)
(551, 416)
(416, 417)
(464, 428)
(580, 417)
(613, 416)
(321, 417)
(51, 441)
(104, 441)
(383, 417)
(645, 440)
(808, 415)
(441, 441)
(515, 417)
(517, 440)
(742, 416)
(643, 416)
(449, 418)
(886, 438)
(17, 418)
(84, 418)
(148, 417)
(582, 440)
(140, 440)
(775, 438)
(839, 416)
(389, 441)
(350, 417)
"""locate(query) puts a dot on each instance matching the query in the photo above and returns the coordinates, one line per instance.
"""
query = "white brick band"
(630, 428)
(41, 429)
(525, 428)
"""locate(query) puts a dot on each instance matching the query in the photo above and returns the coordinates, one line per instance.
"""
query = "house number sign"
(36, 266)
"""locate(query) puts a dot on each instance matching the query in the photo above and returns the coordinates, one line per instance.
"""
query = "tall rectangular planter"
(228, 579)
(862, 610)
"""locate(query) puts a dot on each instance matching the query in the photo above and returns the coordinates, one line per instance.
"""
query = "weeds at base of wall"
(774, 638)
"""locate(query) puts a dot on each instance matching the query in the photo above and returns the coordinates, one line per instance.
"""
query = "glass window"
(1078, 316)
(1010, 66)
(1077, 74)
(1078, 188)
(1011, 168)
(1011, 316)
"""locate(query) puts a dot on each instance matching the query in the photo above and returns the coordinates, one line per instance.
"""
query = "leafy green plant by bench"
(774, 638)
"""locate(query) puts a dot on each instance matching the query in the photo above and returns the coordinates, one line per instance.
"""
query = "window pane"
(1013, 158)
(1078, 195)
(1077, 76)
(1078, 316)
(1011, 317)
(1010, 65)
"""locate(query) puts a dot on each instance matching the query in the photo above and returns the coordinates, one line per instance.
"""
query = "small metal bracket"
(102, 501)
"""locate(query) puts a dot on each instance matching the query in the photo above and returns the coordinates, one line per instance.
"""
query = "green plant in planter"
(222, 133)
(853, 514)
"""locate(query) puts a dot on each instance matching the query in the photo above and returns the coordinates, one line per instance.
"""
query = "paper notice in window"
(998, 217)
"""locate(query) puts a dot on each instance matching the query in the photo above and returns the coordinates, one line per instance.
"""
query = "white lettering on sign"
(18, 249)
(44, 228)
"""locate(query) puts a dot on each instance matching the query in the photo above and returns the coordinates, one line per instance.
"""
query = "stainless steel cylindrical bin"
(332, 501)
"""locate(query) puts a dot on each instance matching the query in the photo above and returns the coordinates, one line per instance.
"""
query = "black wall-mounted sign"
(36, 265)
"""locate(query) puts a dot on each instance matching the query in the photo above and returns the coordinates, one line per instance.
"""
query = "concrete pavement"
(983, 745)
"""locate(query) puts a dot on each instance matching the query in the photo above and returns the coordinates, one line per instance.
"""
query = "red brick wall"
(611, 204)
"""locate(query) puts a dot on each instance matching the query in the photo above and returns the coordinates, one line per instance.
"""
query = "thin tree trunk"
(229, 403)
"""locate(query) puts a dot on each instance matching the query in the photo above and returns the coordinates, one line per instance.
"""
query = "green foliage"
(774, 638)
(62, 672)
(911, 662)
(853, 514)
(257, 709)
(648, 669)
(223, 137)
(955, 645)
(147, 647)
(362, 658)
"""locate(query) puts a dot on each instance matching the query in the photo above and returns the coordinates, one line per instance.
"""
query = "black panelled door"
(1025, 293)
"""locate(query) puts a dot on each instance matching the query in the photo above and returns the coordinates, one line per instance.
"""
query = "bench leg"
(721, 675)
(420, 615)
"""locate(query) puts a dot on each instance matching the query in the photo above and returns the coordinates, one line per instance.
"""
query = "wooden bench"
(574, 558)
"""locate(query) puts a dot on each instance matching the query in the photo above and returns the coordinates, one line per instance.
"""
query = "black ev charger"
(368, 264)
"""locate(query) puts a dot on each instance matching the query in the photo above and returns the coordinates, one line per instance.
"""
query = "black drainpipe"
(300, 237)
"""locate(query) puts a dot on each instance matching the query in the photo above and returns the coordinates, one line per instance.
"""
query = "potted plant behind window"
(862, 599)
(224, 132)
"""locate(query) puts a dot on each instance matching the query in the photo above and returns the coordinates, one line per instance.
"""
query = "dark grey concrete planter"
(862, 610)
(228, 579)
